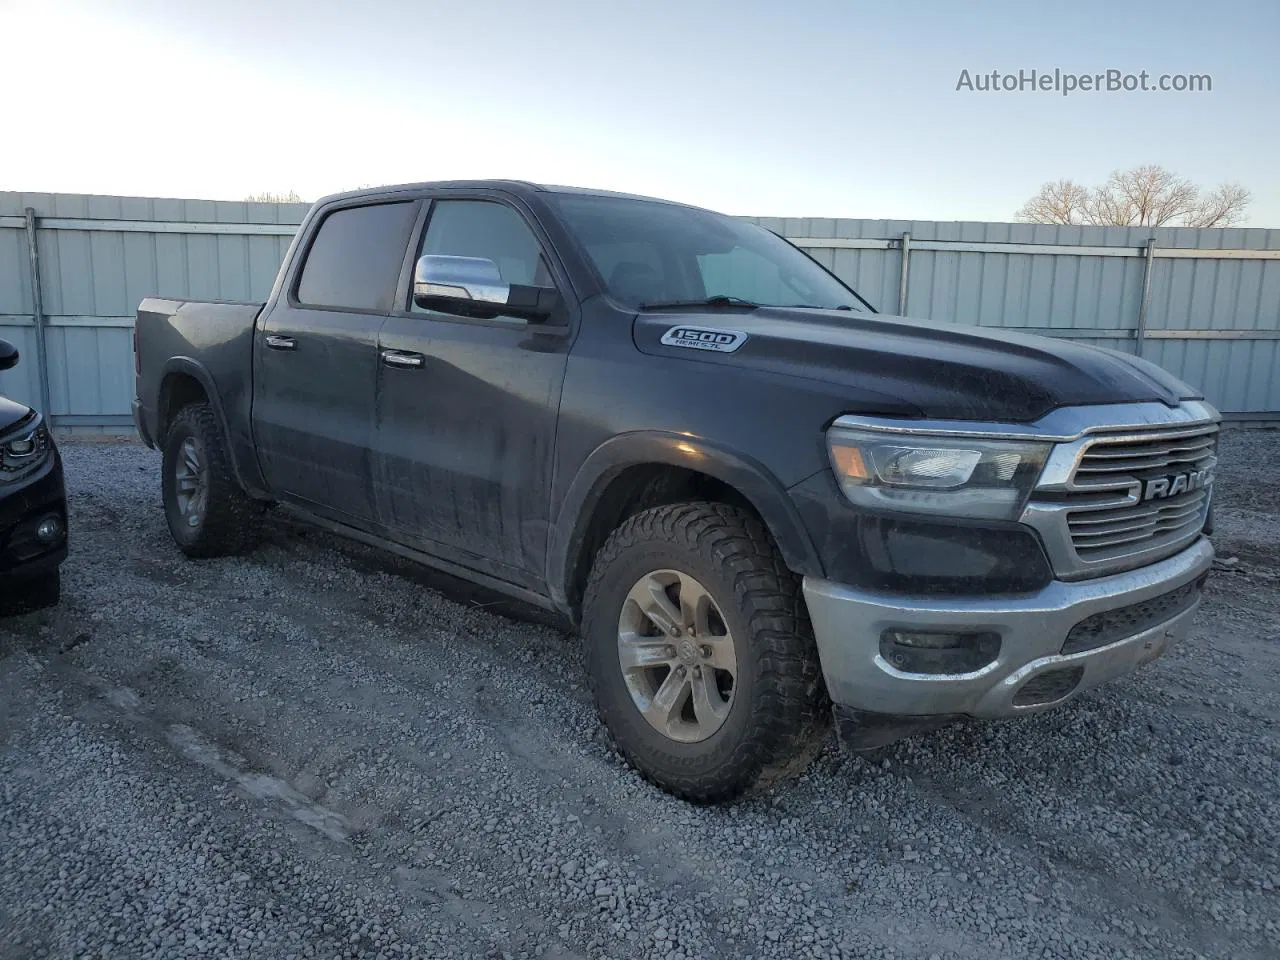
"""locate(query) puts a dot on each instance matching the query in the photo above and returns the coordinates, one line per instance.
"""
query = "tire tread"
(791, 718)
(233, 520)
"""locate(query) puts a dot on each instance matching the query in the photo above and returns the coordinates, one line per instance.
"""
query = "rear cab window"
(355, 258)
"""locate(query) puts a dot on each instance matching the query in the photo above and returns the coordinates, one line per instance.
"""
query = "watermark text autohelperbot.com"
(1064, 83)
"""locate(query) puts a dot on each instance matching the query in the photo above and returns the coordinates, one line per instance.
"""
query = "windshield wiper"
(814, 306)
(717, 301)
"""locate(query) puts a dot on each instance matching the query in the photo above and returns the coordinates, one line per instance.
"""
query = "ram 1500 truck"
(762, 504)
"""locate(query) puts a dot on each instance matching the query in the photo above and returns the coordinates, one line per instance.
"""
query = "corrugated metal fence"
(1205, 304)
(98, 257)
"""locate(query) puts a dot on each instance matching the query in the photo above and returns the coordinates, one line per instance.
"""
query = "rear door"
(467, 408)
(316, 361)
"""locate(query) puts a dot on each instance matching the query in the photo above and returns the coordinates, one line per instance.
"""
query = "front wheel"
(209, 515)
(700, 652)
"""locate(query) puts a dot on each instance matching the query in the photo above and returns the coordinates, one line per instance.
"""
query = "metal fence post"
(37, 314)
(902, 277)
(1140, 335)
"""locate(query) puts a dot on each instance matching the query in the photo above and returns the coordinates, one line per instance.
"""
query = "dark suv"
(33, 505)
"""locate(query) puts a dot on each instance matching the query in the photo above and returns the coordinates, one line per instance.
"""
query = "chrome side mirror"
(459, 278)
(8, 355)
(473, 287)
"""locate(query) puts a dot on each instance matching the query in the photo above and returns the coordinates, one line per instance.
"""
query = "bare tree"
(269, 197)
(1063, 201)
(1146, 196)
(1221, 207)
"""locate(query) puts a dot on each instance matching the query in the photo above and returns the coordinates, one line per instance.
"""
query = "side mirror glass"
(473, 287)
(8, 355)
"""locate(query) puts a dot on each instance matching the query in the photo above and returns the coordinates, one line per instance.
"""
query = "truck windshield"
(653, 254)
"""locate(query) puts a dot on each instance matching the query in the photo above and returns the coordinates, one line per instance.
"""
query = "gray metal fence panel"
(21, 383)
(15, 277)
(1210, 318)
(93, 278)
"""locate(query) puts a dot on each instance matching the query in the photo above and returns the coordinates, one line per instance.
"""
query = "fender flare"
(748, 476)
(186, 366)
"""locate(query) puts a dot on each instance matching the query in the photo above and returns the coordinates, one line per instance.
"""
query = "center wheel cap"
(688, 652)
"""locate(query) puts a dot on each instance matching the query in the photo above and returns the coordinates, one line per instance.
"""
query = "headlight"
(24, 453)
(941, 475)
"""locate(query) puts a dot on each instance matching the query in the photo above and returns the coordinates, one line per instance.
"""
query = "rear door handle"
(401, 358)
(277, 342)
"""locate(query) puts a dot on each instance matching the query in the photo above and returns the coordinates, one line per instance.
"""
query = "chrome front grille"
(1121, 494)
(1140, 493)
(1100, 532)
(1104, 458)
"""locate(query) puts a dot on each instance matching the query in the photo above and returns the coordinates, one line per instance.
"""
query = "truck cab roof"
(511, 186)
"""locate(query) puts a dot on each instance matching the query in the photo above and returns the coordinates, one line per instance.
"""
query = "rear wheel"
(209, 515)
(700, 653)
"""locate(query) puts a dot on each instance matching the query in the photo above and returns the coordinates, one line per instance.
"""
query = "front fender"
(738, 470)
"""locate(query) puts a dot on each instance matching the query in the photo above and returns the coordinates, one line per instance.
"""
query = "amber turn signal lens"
(849, 463)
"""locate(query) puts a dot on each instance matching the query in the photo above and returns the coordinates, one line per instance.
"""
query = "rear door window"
(355, 258)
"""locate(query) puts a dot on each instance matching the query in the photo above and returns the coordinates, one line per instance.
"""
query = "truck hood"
(11, 412)
(935, 370)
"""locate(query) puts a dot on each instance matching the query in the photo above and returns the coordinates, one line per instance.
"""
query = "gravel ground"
(319, 751)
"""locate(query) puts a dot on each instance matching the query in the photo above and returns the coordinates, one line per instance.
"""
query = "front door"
(316, 360)
(467, 408)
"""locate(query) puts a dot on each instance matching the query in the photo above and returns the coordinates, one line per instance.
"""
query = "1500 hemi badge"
(704, 338)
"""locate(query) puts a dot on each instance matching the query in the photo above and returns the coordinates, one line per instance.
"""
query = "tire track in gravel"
(119, 712)
(540, 764)
(365, 661)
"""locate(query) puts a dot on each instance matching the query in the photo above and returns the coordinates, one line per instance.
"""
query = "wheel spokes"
(191, 455)
(195, 509)
(695, 606)
(677, 655)
(657, 606)
(718, 653)
(667, 704)
(191, 491)
(638, 653)
(709, 706)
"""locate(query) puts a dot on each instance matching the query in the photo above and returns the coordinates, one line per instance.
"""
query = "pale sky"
(800, 108)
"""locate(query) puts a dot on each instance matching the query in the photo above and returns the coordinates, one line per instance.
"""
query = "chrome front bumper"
(848, 624)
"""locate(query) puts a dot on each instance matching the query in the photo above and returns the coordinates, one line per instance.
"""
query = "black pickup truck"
(761, 503)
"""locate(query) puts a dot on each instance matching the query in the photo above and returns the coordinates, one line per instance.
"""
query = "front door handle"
(401, 358)
(277, 342)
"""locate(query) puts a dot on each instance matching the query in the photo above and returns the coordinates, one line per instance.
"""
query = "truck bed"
(208, 341)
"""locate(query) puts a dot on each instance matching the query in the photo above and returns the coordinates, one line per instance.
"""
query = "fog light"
(938, 651)
(49, 530)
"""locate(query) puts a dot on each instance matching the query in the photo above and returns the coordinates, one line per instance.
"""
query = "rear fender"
(244, 461)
